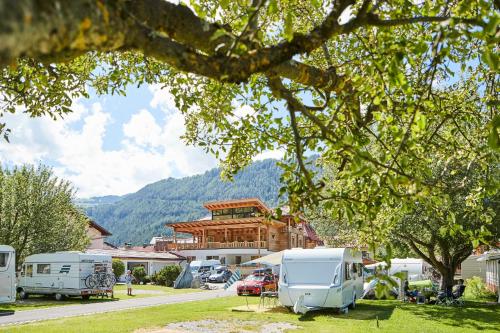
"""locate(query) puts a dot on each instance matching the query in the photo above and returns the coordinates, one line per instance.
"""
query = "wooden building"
(240, 230)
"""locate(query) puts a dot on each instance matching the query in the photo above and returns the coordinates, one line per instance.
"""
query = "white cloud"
(143, 129)
(148, 150)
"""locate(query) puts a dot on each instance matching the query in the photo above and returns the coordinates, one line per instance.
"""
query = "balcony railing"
(221, 245)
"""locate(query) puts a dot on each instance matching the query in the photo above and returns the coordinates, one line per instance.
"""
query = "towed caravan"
(66, 274)
(7, 274)
(320, 278)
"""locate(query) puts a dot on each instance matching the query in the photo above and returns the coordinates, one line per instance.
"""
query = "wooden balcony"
(220, 245)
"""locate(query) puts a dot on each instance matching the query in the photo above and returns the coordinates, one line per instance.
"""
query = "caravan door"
(7, 274)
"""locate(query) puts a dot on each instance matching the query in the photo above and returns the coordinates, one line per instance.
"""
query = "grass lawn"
(120, 293)
(393, 316)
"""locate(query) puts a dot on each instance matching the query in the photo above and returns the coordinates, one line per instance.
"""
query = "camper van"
(66, 274)
(7, 274)
(320, 278)
(204, 267)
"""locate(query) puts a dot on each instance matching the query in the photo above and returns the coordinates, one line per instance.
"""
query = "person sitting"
(411, 294)
(459, 290)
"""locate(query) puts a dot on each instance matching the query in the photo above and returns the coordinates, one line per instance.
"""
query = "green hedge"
(166, 276)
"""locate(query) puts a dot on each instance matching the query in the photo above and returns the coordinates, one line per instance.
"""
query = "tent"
(272, 259)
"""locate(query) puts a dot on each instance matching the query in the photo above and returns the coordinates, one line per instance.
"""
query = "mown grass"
(391, 315)
(138, 291)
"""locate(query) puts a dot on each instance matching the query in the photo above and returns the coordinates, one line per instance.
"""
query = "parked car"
(205, 272)
(256, 284)
(222, 274)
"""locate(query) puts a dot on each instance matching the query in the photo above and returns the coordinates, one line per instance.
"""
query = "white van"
(7, 274)
(66, 274)
(203, 266)
(320, 278)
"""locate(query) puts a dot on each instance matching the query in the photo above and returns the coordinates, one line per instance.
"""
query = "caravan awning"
(272, 259)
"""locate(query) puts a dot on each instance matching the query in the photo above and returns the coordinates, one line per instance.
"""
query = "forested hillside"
(139, 216)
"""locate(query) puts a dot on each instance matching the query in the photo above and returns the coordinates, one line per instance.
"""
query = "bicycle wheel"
(90, 281)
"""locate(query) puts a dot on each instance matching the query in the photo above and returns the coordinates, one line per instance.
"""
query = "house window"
(43, 268)
(254, 257)
(190, 258)
(237, 260)
(233, 213)
(4, 258)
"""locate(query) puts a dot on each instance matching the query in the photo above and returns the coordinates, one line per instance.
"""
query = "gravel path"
(57, 312)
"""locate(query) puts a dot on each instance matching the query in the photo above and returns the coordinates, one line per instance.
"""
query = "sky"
(110, 145)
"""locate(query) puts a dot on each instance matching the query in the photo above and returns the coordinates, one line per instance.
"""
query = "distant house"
(238, 231)
(152, 261)
(97, 235)
(145, 256)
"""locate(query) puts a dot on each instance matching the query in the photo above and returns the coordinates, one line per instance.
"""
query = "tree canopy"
(370, 86)
(37, 213)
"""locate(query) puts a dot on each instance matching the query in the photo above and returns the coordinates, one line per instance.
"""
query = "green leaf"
(288, 28)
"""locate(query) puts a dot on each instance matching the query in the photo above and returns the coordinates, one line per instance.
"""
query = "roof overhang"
(237, 203)
(243, 222)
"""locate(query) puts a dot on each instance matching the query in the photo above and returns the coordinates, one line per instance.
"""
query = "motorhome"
(318, 278)
(66, 274)
(7, 274)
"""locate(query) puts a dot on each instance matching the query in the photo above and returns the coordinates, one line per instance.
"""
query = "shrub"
(477, 288)
(166, 276)
(118, 268)
(139, 273)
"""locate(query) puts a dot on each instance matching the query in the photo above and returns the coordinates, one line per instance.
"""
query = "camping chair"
(451, 298)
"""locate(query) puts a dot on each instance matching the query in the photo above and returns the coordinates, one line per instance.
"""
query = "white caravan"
(415, 268)
(320, 278)
(66, 274)
(7, 274)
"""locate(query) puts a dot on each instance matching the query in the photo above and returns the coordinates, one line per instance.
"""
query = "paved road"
(57, 312)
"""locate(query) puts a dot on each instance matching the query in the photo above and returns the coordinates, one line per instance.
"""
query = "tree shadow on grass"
(473, 315)
(380, 310)
(6, 312)
(36, 302)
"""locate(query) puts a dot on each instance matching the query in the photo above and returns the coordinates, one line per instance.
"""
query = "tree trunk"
(447, 279)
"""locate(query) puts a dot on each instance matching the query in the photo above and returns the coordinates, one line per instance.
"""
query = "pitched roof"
(144, 255)
(101, 229)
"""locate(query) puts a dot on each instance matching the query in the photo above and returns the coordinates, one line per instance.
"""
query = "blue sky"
(109, 144)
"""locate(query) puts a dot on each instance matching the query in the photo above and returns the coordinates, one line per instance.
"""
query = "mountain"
(137, 217)
(95, 201)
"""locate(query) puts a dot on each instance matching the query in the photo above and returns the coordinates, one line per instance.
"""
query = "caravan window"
(43, 268)
(4, 259)
(99, 268)
(29, 270)
(347, 271)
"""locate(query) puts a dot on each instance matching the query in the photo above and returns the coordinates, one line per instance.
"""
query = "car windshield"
(255, 278)
(220, 271)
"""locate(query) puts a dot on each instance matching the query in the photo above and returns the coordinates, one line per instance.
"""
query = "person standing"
(128, 281)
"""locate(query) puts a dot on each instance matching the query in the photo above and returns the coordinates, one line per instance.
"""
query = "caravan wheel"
(59, 297)
(353, 304)
(23, 294)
